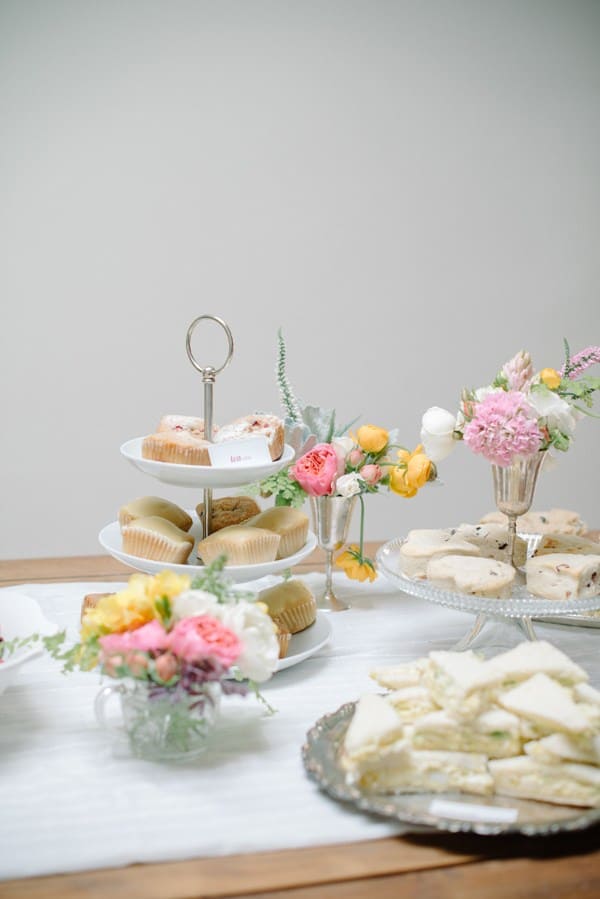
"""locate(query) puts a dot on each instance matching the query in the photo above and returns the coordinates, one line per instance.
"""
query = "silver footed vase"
(331, 521)
(514, 486)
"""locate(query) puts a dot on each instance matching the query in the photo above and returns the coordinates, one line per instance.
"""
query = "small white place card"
(249, 451)
(463, 811)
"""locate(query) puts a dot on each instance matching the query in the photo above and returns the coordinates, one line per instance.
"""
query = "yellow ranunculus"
(372, 439)
(165, 583)
(399, 484)
(418, 470)
(550, 377)
(350, 562)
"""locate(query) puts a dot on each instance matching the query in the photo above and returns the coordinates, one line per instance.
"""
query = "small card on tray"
(464, 811)
(249, 451)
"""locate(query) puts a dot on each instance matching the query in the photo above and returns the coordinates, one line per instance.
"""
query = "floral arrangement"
(175, 636)
(333, 462)
(522, 412)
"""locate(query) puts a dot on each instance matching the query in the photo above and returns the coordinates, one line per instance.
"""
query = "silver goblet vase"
(331, 519)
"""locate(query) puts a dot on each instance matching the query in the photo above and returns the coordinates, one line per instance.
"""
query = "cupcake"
(241, 545)
(147, 506)
(157, 539)
(291, 605)
(229, 510)
(291, 525)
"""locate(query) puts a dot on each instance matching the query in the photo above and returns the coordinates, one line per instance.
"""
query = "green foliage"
(286, 491)
(288, 399)
(212, 580)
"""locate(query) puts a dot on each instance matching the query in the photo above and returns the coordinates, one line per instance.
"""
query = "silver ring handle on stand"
(209, 374)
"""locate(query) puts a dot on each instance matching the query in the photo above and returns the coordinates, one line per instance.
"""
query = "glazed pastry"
(158, 539)
(241, 546)
(178, 447)
(421, 545)
(291, 524)
(268, 426)
(492, 541)
(291, 605)
(229, 510)
(472, 576)
(153, 505)
(563, 576)
(555, 521)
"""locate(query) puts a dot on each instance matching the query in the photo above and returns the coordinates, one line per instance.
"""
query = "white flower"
(437, 429)
(481, 392)
(195, 602)
(348, 484)
(256, 632)
(556, 412)
(342, 446)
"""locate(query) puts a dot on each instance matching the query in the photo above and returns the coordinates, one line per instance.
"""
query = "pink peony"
(503, 428)
(150, 637)
(371, 474)
(201, 637)
(317, 470)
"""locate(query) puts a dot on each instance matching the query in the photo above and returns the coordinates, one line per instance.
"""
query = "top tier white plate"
(202, 475)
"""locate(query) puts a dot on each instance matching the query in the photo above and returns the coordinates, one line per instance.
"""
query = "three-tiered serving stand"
(204, 476)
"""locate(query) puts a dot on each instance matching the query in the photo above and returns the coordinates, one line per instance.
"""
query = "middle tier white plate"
(110, 539)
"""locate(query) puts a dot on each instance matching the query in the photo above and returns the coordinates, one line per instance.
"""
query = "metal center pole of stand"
(208, 377)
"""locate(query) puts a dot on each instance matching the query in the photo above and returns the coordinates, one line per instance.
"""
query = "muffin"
(146, 506)
(229, 510)
(291, 605)
(157, 539)
(268, 426)
(291, 525)
(179, 447)
(283, 638)
(241, 545)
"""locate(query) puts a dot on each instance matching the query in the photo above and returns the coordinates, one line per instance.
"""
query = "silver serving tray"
(320, 754)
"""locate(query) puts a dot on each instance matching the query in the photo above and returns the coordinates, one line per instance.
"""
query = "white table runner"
(68, 804)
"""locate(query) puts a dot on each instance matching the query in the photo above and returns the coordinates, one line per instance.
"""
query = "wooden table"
(429, 866)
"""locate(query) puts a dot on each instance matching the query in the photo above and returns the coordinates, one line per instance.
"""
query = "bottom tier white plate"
(307, 642)
(110, 540)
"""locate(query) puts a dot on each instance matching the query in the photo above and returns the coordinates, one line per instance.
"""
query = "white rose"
(256, 633)
(348, 484)
(195, 602)
(556, 411)
(437, 429)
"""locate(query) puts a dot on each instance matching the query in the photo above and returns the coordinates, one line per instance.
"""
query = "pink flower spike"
(503, 428)
(582, 361)
(518, 371)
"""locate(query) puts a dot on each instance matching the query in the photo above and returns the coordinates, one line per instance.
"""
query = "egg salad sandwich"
(565, 784)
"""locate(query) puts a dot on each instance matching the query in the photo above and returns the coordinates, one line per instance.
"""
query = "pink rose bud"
(356, 457)
(137, 663)
(372, 474)
(166, 666)
(111, 663)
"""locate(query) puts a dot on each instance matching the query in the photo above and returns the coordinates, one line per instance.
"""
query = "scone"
(472, 576)
(291, 605)
(268, 426)
(158, 539)
(178, 447)
(492, 540)
(229, 510)
(291, 524)
(424, 544)
(241, 545)
(555, 521)
(563, 576)
(146, 506)
(566, 543)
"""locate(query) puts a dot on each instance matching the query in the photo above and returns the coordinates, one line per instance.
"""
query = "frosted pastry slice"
(412, 702)
(241, 546)
(563, 576)
(542, 700)
(527, 659)
(268, 426)
(394, 677)
(566, 543)
(177, 447)
(472, 576)
(146, 506)
(156, 538)
(555, 521)
(556, 748)
(291, 525)
(423, 545)
(566, 784)
(188, 423)
(417, 771)
(494, 733)
(492, 541)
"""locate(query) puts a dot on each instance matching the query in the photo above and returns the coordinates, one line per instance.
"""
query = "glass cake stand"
(519, 609)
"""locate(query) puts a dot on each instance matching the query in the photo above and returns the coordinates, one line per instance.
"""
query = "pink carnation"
(317, 470)
(151, 637)
(202, 637)
(503, 428)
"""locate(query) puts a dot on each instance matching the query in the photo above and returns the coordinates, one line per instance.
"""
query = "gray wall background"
(410, 189)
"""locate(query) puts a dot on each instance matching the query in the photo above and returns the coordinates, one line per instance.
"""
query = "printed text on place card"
(249, 451)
